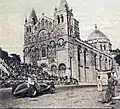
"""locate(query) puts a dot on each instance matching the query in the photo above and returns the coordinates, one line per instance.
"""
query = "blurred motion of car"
(32, 89)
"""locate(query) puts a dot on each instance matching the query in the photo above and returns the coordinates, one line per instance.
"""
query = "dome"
(97, 35)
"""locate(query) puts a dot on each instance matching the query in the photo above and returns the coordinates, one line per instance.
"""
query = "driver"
(30, 81)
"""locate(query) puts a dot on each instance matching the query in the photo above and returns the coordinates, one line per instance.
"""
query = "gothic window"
(43, 51)
(62, 18)
(58, 18)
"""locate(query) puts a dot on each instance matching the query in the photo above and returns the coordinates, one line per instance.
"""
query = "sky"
(104, 13)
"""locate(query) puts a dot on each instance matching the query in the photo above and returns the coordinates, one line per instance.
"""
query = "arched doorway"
(54, 69)
(62, 69)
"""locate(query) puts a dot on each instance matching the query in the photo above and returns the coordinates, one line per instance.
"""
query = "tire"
(52, 90)
(33, 91)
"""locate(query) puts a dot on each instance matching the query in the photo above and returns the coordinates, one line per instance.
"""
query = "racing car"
(32, 89)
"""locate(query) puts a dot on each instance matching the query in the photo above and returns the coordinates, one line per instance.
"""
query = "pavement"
(71, 96)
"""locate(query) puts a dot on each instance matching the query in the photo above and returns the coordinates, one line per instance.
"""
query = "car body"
(27, 89)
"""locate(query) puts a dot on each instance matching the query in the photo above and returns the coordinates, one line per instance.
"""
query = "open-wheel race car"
(32, 89)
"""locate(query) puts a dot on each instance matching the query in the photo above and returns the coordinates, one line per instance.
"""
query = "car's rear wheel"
(33, 92)
(52, 90)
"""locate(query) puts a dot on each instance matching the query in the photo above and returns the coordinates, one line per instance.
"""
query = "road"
(74, 97)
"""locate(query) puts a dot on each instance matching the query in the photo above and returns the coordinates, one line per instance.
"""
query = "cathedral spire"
(33, 17)
(63, 4)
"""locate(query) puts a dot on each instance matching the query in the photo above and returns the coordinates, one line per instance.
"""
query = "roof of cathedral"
(97, 34)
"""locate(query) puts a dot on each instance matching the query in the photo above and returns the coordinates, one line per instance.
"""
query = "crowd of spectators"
(20, 72)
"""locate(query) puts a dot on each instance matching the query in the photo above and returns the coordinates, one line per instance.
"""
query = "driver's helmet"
(30, 81)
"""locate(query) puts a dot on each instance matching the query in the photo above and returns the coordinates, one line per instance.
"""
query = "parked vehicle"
(32, 89)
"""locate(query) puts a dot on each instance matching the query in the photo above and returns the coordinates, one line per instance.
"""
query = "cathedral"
(55, 44)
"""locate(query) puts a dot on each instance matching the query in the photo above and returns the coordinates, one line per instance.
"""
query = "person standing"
(99, 83)
(112, 82)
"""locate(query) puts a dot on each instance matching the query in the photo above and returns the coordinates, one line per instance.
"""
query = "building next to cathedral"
(56, 45)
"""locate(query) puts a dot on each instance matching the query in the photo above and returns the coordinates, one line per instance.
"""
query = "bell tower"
(63, 17)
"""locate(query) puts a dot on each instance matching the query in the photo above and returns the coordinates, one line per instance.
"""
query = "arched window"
(50, 24)
(105, 63)
(100, 61)
(34, 20)
(100, 46)
(79, 51)
(52, 43)
(44, 52)
(46, 22)
(62, 68)
(62, 18)
(95, 61)
(85, 57)
(54, 68)
(42, 22)
(29, 28)
(58, 18)
(109, 64)
(60, 42)
(104, 47)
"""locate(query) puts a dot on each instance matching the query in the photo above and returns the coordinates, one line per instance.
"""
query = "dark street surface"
(5, 94)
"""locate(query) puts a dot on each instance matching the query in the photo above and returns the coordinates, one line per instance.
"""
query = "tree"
(16, 58)
(117, 58)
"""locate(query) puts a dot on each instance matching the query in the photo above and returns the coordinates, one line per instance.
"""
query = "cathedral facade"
(55, 45)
